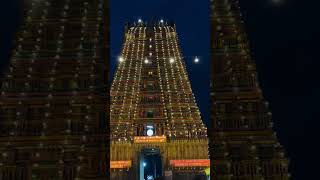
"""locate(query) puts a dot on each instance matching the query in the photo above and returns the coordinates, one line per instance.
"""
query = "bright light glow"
(139, 20)
(196, 60)
(171, 60)
(144, 164)
(149, 177)
(146, 61)
(150, 132)
(162, 21)
(121, 59)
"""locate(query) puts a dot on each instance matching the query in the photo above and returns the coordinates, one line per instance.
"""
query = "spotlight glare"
(196, 60)
(121, 59)
(171, 60)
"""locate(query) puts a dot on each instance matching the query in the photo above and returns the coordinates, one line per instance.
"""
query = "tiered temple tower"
(153, 108)
(53, 97)
(243, 144)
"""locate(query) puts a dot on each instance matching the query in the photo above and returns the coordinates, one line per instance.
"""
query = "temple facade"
(243, 145)
(153, 109)
(53, 100)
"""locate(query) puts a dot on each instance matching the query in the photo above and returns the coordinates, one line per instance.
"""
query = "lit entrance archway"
(150, 164)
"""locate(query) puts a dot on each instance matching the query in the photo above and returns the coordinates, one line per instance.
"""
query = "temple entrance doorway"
(150, 164)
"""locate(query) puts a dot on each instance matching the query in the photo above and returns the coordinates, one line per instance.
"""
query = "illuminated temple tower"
(153, 109)
(53, 97)
(243, 144)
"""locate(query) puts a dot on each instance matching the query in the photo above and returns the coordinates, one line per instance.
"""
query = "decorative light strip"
(190, 163)
(137, 80)
(151, 139)
(120, 164)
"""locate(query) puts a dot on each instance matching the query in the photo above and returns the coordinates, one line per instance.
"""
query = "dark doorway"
(151, 163)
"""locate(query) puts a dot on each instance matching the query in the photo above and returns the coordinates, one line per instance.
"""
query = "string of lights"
(159, 110)
(52, 85)
(239, 108)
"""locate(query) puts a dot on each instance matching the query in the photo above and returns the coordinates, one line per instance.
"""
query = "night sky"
(284, 39)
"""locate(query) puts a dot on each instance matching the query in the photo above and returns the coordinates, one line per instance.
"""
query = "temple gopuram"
(243, 145)
(53, 100)
(153, 110)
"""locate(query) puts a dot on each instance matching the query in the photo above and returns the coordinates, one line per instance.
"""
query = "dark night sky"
(284, 41)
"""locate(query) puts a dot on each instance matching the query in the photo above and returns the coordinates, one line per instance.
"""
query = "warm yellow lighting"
(190, 163)
(121, 59)
(120, 164)
(150, 139)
